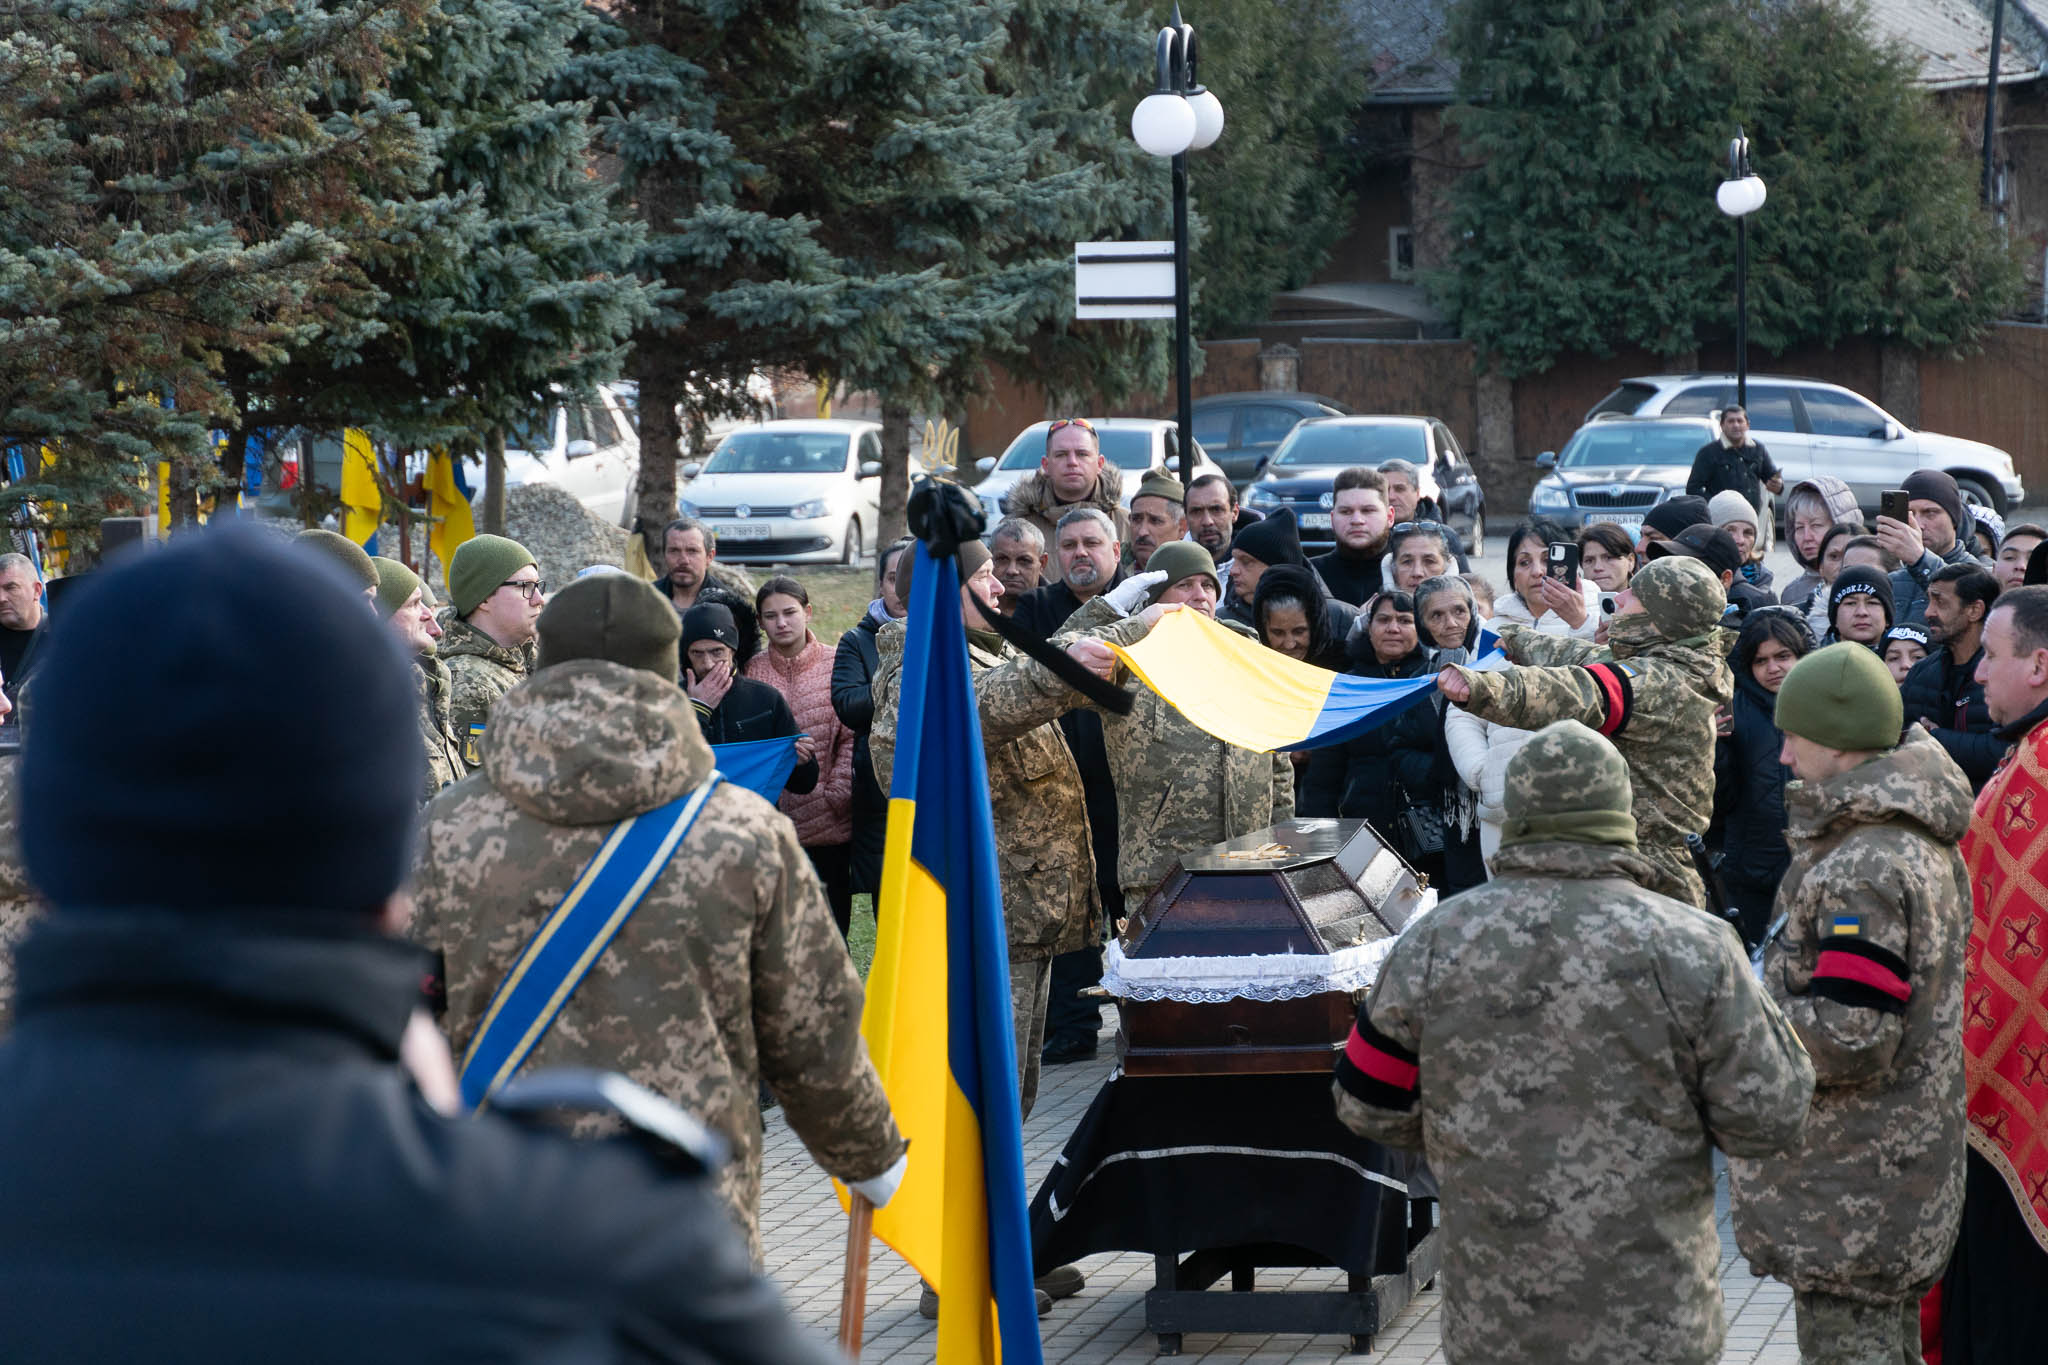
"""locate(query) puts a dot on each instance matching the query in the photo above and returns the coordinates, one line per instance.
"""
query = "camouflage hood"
(1575, 862)
(1033, 496)
(1916, 783)
(589, 742)
(459, 637)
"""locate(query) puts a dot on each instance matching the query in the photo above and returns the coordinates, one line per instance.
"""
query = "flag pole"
(853, 1295)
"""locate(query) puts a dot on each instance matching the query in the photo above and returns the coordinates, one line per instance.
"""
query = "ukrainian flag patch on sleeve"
(1847, 924)
(473, 755)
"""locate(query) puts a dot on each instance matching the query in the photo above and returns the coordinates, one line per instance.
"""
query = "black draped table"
(1224, 1175)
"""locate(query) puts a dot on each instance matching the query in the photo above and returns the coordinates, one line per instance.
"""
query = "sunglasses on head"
(1403, 527)
(1081, 422)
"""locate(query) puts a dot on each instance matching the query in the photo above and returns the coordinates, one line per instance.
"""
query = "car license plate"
(1627, 521)
(1315, 521)
(758, 530)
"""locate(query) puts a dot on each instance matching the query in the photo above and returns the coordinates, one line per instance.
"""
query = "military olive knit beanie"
(1842, 697)
(1568, 784)
(1160, 484)
(481, 566)
(1682, 595)
(395, 585)
(1180, 560)
(972, 554)
(611, 616)
(353, 558)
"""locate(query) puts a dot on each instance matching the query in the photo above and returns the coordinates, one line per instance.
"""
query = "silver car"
(1615, 469)
(1811, 427)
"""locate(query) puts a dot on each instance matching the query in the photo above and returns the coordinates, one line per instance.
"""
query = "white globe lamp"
(1208, 118)
(1164, 124)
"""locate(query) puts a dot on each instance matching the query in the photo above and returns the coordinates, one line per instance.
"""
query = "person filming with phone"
(1547, 590)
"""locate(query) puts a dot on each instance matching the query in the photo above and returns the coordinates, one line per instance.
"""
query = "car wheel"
(1980, 493)
(849, 549)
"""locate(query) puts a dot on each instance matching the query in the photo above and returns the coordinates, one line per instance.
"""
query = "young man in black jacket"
(231, 1132)
(732, 709)
(1942, 693)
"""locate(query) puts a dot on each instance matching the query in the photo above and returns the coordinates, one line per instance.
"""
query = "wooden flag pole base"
(853, 1295)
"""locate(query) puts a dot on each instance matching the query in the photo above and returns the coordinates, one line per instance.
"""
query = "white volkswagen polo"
(789, 492)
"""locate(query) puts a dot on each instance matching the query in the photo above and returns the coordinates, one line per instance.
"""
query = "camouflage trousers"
(1839, 1331)
(1682, 881)
(1030, 987)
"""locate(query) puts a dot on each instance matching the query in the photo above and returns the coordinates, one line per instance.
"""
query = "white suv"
(591, 451)
(1814, 428)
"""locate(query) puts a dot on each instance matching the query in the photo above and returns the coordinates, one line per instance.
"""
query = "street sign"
(1123, 280)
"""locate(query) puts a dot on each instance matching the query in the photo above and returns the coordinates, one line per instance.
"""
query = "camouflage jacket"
(1657, 706)
(437, 732)
(729, 974)
(1568, 1049)
(1047, 864)
(18, 904)
(1177, 787)
(1869, 969)
(1032, 499)
(480, 670)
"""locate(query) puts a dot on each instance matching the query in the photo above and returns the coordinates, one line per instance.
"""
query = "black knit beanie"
(710, 621)
(1675, 514)
(1858, 579)
(158, 777)
(1937, 487)
(1273, 540)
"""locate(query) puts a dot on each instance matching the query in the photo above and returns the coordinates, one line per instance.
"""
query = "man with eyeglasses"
(495, 595)
(1072, 474)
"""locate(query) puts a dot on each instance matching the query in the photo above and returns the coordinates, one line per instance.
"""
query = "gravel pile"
(562, 535)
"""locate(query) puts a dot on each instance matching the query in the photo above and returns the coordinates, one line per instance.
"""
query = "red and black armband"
(1853, 971)
(1376, 1070)
(1617, 695)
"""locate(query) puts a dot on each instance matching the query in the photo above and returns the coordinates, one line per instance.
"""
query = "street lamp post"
(1179, 115)
(1740, 195)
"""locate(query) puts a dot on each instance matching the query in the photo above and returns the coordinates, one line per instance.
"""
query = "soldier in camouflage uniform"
(407, 605)
(1043, 852)
(1177, 786)
(1567, 1049)
(1653, 690)
(730, 973)
(494, 592)
(1860, 1216)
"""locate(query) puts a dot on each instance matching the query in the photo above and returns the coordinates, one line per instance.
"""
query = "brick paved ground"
(805, 1235)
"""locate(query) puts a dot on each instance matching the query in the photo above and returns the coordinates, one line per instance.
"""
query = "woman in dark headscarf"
(1292, 613)
(1447, 620)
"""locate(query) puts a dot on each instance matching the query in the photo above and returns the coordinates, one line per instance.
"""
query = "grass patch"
(860, 941)
(839, 597)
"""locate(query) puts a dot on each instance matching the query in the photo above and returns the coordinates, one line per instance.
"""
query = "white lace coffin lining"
(1260, 976)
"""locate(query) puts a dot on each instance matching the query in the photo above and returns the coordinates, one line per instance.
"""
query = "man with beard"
(1085, 552)
(1072, 474)
(1937, 531)
(1156, 516)
(1359, 517)
(1017, 553)
(689, 553)
(1942, 693)
(407, 607)
(1213, 518)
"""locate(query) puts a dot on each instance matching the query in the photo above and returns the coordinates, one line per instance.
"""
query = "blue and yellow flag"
(362, 496)
(937, 1019)
(762, 766)
(447, 505)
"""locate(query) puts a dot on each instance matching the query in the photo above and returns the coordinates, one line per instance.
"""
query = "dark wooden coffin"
(1307, 888)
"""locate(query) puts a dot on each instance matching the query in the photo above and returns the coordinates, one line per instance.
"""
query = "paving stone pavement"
(805, 1236)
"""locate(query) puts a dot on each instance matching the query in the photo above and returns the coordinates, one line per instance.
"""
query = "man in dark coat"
(212, 1149)
(1737, 462)
(1942, 693)
(732, 709)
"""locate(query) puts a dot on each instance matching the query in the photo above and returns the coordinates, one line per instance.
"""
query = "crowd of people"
(1666, 707)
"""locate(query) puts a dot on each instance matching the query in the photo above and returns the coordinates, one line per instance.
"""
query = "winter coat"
(1348, 578)
(752, 710)
(1869, 969)
(1479, 749)
(1749, 792)
(437, 729)
(1909, 584)
(1941, 693)
(480, 670)
(1510, 609)
(1032, 499)
(1840, 501)
(823, 816)
(1568, 1049)
(1718, 466)
(853, 673)
(730, 973)
(312, 1206)
(1177, 787)
(1050, 900)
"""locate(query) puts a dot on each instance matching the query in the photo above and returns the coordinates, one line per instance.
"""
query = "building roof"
(1952, 39)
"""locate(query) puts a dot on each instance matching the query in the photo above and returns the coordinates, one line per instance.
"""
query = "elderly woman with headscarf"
(1447, 619)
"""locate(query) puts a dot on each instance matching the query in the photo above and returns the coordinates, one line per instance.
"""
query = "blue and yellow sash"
(566, 946)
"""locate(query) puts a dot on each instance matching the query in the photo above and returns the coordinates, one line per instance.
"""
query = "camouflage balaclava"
(1682, 599)
(1568, 784)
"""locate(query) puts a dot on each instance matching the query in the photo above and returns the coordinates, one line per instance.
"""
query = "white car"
(790, 492)
(1133, 444)
(590, 450)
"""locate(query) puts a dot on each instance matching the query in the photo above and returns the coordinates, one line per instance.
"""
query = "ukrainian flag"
(937, 1018)
(362, 497)
(1246, 694)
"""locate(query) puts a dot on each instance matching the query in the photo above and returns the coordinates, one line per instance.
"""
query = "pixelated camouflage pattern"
(1177, 786)
(1668, 741)
(1566, 765)
(1032, 499)
(729, 974)
(1680, 594)
(1836, 1331)
(1045, 859)
(1867, 1206)
(19, 905)
(480, 670)
(1583, 1045)
(437, 733)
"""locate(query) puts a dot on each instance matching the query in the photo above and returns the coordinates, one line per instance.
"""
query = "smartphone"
(1893, 503)
(1608, 606)
(1564, 562)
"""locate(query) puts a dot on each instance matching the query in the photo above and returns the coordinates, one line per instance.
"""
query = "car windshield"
(779, 452)
(1126, 447)
(1632, 443)
(1333, 443)
(534, 434)
(1628, 398)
